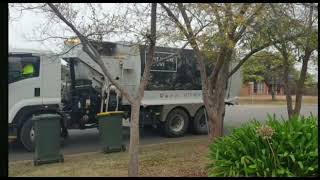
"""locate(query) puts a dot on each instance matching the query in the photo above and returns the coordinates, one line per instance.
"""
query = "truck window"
(23, 67)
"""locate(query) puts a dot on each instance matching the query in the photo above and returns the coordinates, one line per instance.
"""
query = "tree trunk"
(216, 106)
(133, 169)
(289, 100)
(134, 140)
(216, 119)
(287, 88)
(300, 84)
(273, 95)
(308, 51)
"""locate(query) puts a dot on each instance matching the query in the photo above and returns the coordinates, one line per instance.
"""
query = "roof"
(33, 51)
(279, 80)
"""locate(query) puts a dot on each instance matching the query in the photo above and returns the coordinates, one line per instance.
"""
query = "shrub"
(278, 148)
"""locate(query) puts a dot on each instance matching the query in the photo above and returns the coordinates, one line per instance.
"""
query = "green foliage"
(262, 66)
(310, 80)
(265, 65)
(314, 40)
(291, 150)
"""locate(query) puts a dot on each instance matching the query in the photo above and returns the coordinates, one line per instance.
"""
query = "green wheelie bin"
(47, 139)
(110, 131)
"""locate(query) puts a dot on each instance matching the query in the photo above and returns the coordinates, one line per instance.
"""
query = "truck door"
(24, 82)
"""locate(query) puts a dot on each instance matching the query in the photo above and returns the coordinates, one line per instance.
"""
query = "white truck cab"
(29, 94)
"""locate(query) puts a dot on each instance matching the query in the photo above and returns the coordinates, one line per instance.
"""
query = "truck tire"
(199, 123)
(27, 135)
(176, 123)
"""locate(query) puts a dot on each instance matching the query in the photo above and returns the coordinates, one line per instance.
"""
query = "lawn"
(187, 158)
(280, 100)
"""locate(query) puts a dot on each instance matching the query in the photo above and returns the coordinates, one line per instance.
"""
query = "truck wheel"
(27, 135)
(200, 123)
(176, 123)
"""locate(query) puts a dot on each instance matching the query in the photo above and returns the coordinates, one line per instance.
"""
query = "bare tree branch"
(192, 40)
(193, 43)
(248, 22)
(175, 19)
(229, 21)
(184, 46)
(92, 52)
(51, 37)
(217, 16)
(60, 54)
(152, 38)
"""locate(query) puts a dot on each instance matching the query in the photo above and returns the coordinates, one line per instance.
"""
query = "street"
(81, 141)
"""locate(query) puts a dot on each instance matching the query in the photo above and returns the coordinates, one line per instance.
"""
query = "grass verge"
(187, 158)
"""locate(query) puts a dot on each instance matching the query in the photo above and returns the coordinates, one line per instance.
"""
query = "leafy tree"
(262, 66)
(290, 18)
(236, 31)
(268, 67)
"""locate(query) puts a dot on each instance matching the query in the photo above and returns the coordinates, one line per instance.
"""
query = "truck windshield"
(22, 67)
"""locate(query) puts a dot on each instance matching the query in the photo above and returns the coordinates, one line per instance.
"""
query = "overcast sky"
(22, 26)
(21, 29)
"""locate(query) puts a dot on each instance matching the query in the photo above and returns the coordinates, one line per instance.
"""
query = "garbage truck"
(73, 85)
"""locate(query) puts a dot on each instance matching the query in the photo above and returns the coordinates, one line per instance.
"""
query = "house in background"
(265, 87)
(261, 88)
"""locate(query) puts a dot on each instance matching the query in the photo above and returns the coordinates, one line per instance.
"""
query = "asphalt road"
(82, 141)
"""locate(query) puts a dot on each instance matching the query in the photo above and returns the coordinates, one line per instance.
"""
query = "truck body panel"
(181, 72)
(50, 90)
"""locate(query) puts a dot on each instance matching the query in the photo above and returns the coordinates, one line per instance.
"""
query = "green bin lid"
(110, 113)
(46, 116)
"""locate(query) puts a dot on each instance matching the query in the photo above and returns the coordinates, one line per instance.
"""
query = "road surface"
(81, 141)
